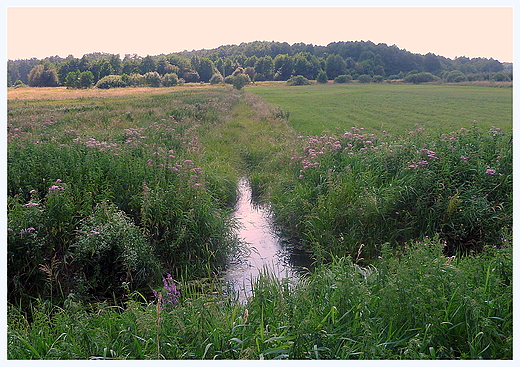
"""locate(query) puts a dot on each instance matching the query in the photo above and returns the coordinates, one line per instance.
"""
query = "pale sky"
(472, 31)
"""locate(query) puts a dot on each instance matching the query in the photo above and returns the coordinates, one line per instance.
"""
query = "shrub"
(153, 79)
(252, 73)
(420, 78)
(39, 234)
(133, 80)
(229, 79)
(19, 84)
(111, 81)
(170, 79)
(455, 76)
(378, 78)
(191, 76)
(343, 79)
(501, 77)
(216, 79)
(322, 77)
(240, 80)
(111, 250)
(365, 78)
(298, 80)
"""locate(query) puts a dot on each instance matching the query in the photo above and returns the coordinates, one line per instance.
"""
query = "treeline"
(260, 60)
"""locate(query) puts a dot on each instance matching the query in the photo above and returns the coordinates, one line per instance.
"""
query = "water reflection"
(264, 250)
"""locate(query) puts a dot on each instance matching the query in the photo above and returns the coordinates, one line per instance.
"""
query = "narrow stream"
(265, 250)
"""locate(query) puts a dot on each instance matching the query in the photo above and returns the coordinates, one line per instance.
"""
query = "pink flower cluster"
(56, 188)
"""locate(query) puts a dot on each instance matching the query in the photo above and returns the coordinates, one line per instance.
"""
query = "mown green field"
(411, 229)
(391, 107)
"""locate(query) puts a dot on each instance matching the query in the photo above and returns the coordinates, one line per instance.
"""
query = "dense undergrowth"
(412, 234)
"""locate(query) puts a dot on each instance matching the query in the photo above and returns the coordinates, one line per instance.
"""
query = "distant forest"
(260, 60)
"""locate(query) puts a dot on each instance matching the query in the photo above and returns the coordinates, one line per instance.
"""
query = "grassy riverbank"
(411, 228)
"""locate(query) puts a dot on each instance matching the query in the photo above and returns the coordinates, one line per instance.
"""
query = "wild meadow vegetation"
(120, 222)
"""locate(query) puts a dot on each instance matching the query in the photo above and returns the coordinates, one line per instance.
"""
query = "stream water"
(264, 252)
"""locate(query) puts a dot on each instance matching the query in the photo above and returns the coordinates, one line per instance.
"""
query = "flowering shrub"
(110, 250)
(357, 187)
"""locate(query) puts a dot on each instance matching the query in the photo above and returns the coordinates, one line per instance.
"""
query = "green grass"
(391, 107)
(417, 306)
(414, 259)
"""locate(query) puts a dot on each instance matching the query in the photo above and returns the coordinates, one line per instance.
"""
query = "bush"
(111, 250)
(134, 80)
(298, 80)
(501, 77)
(420, 78)
(111, 81)
(191, 76)
(240, 80)
(216, 79)
(365, 78)
(229, 79)
(19, 84)
(39, 234)
(322, 77)
(170, 79)
(455, 76)
(343, 79)
(378, 78)
(153, 79)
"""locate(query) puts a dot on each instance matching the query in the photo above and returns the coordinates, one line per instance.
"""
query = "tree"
(264, 68)
(115, 62)
(43, 75)
(240, 80)
(322, 77)
(86, 79)
(431, 63)
(205, 68)
(283, 66)
(85, 64)
(106, 69)
(335, 65)
(306, 64)
(147, 64)
(72, 79)
(131, 66)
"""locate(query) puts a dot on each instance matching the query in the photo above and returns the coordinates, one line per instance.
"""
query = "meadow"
(119, 222)
(440, 108)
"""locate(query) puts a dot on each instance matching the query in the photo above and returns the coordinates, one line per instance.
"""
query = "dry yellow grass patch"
(60, 93)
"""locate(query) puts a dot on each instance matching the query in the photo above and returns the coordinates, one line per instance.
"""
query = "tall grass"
(142, 155)
(411, 232)
(359, 188)
(415, 306)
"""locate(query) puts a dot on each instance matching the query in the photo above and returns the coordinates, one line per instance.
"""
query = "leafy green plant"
(343, 79)
(111, 250)
(111, 81)
(298, 80)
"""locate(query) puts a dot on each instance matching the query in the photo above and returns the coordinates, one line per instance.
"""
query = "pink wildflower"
(55, 188)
